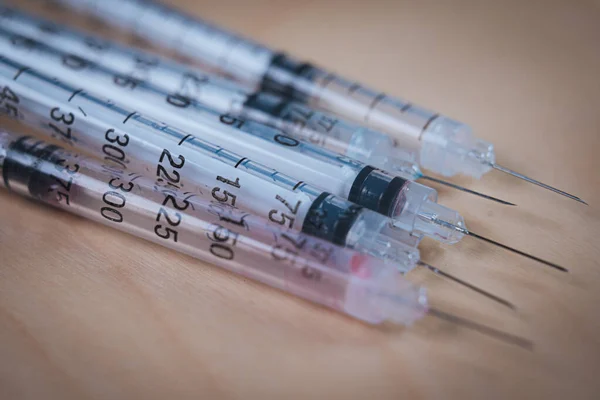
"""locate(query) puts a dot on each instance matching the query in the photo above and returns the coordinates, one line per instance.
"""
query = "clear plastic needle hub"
(444, 145)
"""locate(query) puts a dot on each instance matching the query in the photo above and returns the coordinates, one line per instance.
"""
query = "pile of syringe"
(266, 166)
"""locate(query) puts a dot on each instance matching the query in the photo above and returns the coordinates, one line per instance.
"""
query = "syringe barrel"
(293, 118)
(248, 60)
(445, 146)
(336, 173)
(360, 286)
(329, 171)
(120, 136)
(129, 61)
(329, 131)
(264, 144)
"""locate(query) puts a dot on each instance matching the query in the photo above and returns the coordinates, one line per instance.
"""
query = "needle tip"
(468, 232)
(563, 269)
(535, 182)
(485, 293)
(522, 253)
(486, 330)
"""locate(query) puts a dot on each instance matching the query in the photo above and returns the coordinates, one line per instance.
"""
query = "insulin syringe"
(293, 118)
(411, 206)
(444, 145)
(123, 138)
(349, 282)
(353, 283)
(389, 195)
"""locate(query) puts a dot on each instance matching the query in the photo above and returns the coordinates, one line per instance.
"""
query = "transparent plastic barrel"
(360, 286)
(329, 171)
(121, 137)
(294, 118)
(444, 145)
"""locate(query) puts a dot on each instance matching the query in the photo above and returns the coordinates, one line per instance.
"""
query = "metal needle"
(464, 189)
(469, 285)
(469, 233)
(506, 337)
(530, 180)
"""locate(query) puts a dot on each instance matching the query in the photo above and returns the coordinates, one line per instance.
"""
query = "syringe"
(445, 146)
(409, 204)
(293, 118)
(412, 206)
(123, 138)
(362, 184)
(349, 282)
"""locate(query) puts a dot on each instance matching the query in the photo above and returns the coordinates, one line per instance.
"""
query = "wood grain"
(88, 312)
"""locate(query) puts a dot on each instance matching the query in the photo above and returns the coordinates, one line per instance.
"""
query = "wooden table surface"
(88, 312)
